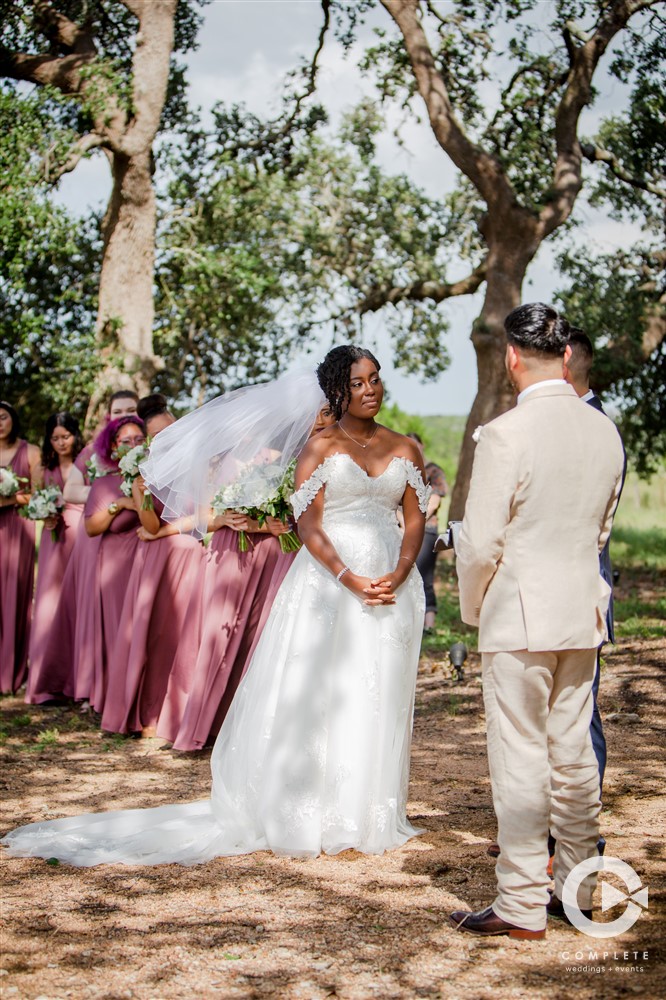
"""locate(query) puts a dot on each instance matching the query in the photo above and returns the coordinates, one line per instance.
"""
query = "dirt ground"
(348, 926)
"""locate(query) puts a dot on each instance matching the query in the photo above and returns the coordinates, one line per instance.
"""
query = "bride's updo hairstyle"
(334, 372)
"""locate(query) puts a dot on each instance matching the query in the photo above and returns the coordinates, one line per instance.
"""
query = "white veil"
(247, 437)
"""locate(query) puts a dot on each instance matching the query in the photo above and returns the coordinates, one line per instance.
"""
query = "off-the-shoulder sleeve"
(415, 480)
(303, 497)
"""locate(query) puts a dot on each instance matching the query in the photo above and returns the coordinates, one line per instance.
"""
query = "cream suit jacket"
(546, 480)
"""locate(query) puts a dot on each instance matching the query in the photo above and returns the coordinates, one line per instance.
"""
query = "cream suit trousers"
(543, 772)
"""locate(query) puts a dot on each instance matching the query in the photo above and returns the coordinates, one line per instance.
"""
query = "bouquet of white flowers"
(276, 505)
(94, 469)
(10, 483)
(130, 460)
(44, 503)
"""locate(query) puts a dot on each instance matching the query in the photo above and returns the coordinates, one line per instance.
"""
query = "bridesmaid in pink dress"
(225, 624)
(111, 515)
(70, 653)
(17, 551)
(62, 444)
(159, 589)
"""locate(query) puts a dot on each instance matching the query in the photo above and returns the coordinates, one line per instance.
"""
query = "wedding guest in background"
(17, 546)
(225, 622)
(62, 443)
(121, 404)
(154, 411)
(425, 563)
(528, 568)
(577, 373)
(160, 594)
(113, 516)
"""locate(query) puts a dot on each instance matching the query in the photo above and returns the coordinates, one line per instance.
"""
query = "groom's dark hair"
(536, 328)
(334, 372)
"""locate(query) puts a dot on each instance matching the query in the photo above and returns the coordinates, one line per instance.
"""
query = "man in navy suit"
(577, 374)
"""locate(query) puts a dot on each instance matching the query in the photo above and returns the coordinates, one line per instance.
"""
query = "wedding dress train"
(314, 753)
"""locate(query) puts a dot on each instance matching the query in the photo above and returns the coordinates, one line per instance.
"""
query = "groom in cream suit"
(545, 483)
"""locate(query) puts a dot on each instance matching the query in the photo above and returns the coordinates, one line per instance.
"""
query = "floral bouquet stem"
(289, 542)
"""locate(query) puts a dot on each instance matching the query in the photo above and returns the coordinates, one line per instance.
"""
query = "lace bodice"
(352, 493)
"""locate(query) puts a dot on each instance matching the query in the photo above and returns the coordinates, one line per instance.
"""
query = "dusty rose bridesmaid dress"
(238, 590)
(69, 649)
(160, 589)
(45, 680)
(116, 557)
(17, 572)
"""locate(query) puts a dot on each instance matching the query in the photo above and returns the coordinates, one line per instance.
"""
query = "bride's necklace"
(354, 439)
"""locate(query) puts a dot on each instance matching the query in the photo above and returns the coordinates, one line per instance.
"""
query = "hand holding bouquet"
(130, 460)
(279, 507)
(275, 506)
(44, 504)
(10, 483)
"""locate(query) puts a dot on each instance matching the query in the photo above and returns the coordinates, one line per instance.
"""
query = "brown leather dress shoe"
(487, 922)
(494, 851)
(555, 908)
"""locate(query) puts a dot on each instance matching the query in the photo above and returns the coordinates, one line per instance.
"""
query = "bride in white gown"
(313, 755)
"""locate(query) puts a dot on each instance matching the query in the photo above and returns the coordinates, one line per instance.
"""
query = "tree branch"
(63, 72)
(87, 142)
(596, 154)
(584, 59)
(483, 169)
(150, 71)
(59, 29)
(418, 291)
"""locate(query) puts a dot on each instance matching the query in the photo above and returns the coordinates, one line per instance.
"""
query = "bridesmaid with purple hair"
(70, 656)
(113, 517)
(62, 444)
(160, 594)
(225, 623)
(20, 462)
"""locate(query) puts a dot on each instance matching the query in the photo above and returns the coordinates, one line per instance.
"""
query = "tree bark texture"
(126, 310)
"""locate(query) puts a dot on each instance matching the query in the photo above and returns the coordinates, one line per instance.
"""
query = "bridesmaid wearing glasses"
(17, 544)
(62, 444)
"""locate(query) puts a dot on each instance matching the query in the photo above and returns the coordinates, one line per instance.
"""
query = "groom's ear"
(511, 358)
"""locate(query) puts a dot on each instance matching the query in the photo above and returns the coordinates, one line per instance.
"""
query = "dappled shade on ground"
(349, 926)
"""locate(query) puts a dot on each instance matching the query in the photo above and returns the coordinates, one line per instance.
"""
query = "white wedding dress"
(313, 755)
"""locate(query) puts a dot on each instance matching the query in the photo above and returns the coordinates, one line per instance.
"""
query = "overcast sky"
(246, 48)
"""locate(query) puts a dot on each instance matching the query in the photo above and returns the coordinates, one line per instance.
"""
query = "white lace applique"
(303, 497)
(415, 480)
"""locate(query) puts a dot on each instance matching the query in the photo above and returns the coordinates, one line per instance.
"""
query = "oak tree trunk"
(511, 247)
(126, 309)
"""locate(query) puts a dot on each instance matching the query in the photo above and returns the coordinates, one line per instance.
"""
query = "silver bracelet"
(345, 569)
(407, 558)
